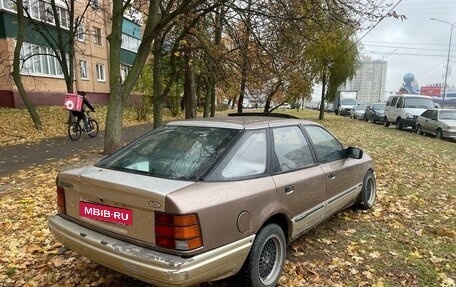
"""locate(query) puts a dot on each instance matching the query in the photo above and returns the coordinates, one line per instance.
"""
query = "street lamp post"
(452, 25)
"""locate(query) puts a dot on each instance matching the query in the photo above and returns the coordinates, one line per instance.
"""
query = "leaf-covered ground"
(408, 239)
(16, 126)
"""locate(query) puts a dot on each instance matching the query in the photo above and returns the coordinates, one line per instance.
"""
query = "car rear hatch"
(116, 202)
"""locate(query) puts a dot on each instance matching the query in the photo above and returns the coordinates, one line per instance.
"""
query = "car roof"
(436, 109)
(241, 122)
(412, 96)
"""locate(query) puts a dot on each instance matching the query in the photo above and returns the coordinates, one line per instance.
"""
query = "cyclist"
(81, 115)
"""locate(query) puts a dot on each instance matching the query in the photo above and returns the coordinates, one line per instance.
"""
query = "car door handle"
(289, 188)
(332, 175)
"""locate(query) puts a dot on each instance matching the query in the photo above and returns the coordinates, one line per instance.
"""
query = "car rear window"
(379, 107)
(448, 115)
(173, 152)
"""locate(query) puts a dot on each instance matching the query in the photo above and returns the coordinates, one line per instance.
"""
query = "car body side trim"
(149, 265)
(304, 221)
(342, 200)
(310, 218)
(308, 212)
(343, 194)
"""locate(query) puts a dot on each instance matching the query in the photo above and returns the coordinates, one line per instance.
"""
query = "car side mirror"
(354, 152)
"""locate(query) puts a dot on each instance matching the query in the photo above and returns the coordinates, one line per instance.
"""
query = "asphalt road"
(17, 157)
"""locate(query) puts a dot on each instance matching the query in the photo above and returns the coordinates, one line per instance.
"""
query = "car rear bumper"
(149, 265)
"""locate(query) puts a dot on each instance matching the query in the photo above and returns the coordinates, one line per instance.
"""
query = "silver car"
(357, 112)
(440, 123)
(203, 199)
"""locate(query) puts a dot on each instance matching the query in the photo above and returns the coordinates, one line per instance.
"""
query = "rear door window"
(400, 103)
(393, 103)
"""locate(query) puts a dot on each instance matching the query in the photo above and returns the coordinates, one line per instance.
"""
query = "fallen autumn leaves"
(408, 239)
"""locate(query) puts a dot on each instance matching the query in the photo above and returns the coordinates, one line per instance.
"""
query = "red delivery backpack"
(73, 102)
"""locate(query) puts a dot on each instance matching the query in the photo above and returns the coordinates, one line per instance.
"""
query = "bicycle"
(76, 128)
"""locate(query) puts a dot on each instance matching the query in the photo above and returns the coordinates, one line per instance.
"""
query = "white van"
(403, 110)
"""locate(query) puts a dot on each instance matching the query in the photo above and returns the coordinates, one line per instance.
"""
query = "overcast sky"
(418, 45)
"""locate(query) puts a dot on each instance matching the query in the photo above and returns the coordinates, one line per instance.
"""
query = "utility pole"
(452, 25)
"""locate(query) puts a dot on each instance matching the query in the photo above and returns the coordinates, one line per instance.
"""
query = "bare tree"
(159, 15)
(60, 38)
(17, 68)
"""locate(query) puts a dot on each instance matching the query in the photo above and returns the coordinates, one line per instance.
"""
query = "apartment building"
(41, 72)
(369, 80)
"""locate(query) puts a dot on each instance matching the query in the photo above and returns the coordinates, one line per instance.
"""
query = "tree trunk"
(233, 103)
(113, 132)
(220, 18)
(243, 85)
(245, 55)
(16, 68)
(267, 105)
(212, 96)
(189, 88)
(207, 96)
(157, 82)
(322, 102)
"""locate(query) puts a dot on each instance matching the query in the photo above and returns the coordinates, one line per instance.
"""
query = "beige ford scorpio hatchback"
(203, 199)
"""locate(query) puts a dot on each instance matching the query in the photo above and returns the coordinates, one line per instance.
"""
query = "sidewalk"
(17, 157)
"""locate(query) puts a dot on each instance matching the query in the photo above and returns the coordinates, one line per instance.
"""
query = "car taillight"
(61, 206)
(180, 232)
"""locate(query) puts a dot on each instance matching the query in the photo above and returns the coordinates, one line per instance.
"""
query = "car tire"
(263, 267)
(386, 123)
(439, 133)
(418, 130)
(399, 124)
(368, 195)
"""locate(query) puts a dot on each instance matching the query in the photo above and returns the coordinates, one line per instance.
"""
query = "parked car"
(199, 200)
(440, 123)
(329, 108)
(375, 112)
(357, 112)
(403, 110)
(345, 106)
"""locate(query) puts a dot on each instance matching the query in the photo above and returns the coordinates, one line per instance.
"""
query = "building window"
(80, 32)
(83, 69)
(124, 70)
(40, 61)
(95, 4)
(133, 15)
(130, 43)
(97, 38)
(42, 10)
(101, 77)
(64, 17)
(9, 5)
